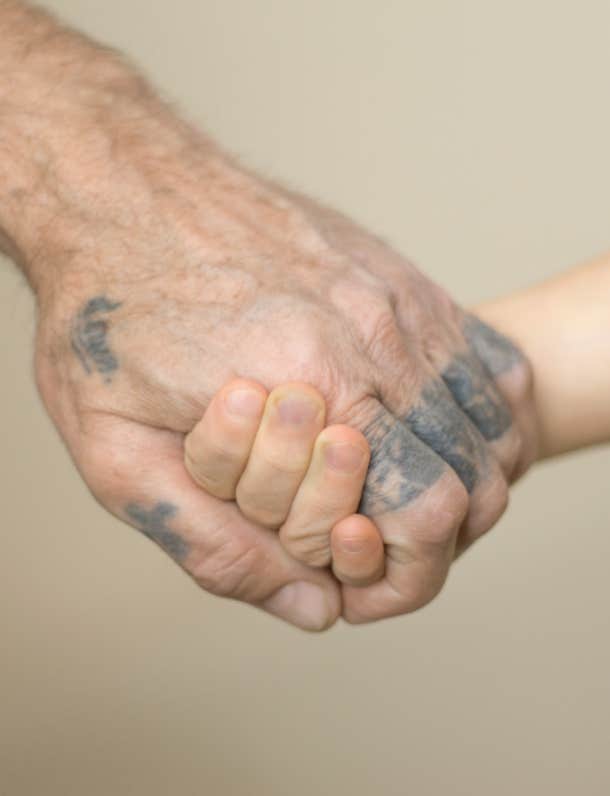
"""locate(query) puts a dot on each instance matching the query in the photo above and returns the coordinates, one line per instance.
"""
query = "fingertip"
(217, 449)
(357, 551)
(343, 449)
(340, 432)
(295, 405)
(241, 400)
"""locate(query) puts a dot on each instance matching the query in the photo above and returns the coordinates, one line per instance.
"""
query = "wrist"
(562, 327)
(81, 134)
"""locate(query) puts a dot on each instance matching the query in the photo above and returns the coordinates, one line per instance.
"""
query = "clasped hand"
(220, 276)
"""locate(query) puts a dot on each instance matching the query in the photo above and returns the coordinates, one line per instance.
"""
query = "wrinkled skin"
(196, 273)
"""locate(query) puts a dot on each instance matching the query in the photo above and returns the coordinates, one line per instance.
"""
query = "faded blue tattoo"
(90, 337)
(497, 353)
(439, 422)
(447, 426)
(401, 467)
(477, 396)
(153, 524)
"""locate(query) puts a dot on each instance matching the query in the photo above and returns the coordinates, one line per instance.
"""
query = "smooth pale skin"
(563, 325)
(271, 453)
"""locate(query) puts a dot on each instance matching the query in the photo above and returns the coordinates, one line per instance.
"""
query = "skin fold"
(162, 270)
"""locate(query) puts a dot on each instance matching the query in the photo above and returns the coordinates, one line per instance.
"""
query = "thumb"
(137, 473)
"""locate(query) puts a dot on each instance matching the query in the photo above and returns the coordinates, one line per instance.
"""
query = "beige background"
(475, 135)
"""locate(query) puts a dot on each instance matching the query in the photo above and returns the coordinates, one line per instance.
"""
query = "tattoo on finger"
(477, 397)
(153, 523)
(401, 467)
(497, 353)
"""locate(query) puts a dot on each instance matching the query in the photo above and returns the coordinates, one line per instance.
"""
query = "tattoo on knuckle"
(401, 468)
(439, 422)
(476, 395)
(497, 353)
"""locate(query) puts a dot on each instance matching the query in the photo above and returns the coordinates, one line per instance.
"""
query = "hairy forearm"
(563, 325)
(81, 131)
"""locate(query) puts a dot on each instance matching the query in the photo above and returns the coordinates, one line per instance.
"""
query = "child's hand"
(271, 453)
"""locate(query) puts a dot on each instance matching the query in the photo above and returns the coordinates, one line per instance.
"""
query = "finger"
(513, 376)
(434, 417)
(418, 504)
(478, 397)
(138, 474)
(329, 492)
(217, 449)
(358, 554)
(280, 456)
(443, 338)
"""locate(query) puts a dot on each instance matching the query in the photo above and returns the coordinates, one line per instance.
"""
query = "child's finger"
(330, 492)
(293, 417)
(217, 449)
(357, 550)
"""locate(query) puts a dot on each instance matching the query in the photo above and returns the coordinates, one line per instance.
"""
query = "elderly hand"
(162, 270)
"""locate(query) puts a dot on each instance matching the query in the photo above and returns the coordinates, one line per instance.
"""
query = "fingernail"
(303, 604)
(297, 411)
(245, 403)
(344, 456)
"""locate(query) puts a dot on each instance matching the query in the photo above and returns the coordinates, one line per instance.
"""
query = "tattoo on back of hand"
(90, 337)
(153, 524)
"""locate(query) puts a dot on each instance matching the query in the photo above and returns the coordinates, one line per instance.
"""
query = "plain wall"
(475, 136)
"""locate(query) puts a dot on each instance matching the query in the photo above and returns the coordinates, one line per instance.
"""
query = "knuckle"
(306, 342)
(518, 382)
(382, 336)
(447, 508)
(378, 327)
(491, 507)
